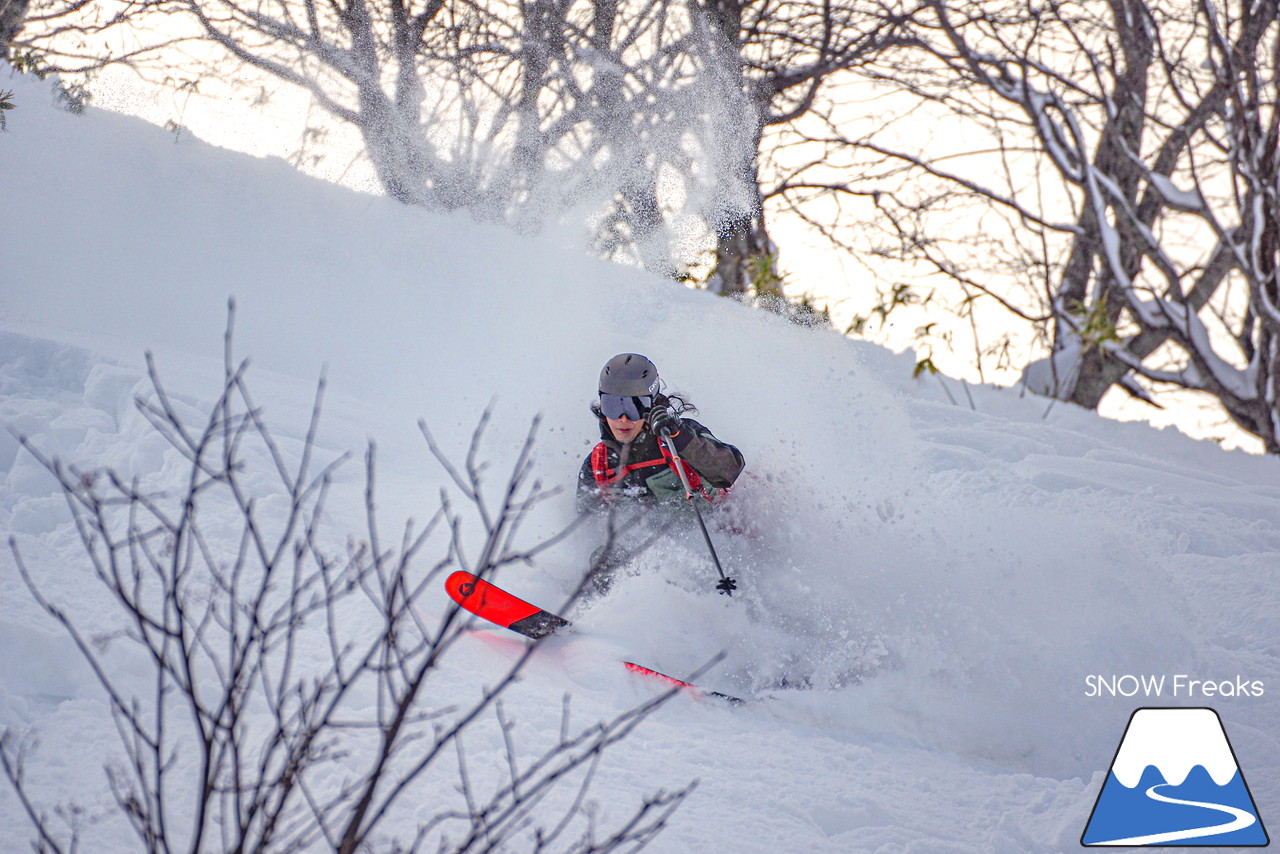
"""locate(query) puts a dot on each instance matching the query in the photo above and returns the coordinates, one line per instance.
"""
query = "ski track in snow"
(923, 590)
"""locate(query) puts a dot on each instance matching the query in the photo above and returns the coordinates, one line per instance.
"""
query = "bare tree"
(785, 58)
(1119, 193)
(617, 113)
(77, 37)
(289, 704)
(520, 111)
(661, 122)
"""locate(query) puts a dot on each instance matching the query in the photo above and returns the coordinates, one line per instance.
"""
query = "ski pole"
(726, 585)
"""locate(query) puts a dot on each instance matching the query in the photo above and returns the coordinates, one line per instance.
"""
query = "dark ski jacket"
(649, 477)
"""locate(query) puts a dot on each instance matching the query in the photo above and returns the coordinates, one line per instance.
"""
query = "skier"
(632, 464)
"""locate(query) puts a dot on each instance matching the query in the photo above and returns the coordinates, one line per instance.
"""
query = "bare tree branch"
(290, 697)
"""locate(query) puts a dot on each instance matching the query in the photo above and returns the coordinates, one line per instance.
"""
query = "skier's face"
(624, 429)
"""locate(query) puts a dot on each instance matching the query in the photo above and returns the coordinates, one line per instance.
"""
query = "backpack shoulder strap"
(606, 476)
(600, 465)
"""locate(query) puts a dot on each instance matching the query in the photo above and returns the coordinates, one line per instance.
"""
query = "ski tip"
(460, 584)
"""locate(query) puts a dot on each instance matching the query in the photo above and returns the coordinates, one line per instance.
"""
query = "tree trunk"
(741, 232)
(12, 14)
(742, 235)
(1097, 371)
(388, 147)
(738, 241)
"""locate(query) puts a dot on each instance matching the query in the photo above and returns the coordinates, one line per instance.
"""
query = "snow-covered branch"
(1164, 165)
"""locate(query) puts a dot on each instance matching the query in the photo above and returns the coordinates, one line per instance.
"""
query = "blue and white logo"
(1175, 781)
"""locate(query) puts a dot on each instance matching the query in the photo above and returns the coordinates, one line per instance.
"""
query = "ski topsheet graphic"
(1175, 782)
(498, 606)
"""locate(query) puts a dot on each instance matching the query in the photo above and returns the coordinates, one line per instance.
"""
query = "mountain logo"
(1175, 781)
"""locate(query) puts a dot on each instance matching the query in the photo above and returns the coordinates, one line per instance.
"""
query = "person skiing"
(631, 462)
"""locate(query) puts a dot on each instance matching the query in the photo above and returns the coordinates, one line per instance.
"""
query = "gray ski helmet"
(629, 375)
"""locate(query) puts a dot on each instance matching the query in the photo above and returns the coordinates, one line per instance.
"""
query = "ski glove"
(663, 420)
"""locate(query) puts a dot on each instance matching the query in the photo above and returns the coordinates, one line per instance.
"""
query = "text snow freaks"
(1178, 685)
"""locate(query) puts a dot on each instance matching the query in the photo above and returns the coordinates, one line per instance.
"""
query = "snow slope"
(933, 582)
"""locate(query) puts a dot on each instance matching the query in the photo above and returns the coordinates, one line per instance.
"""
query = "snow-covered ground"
(935, 572)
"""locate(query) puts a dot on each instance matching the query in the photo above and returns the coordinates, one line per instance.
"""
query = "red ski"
(680, 683)
(498, 606)
(492, 603)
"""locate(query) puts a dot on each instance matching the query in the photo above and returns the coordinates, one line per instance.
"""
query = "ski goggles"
(634, 407)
